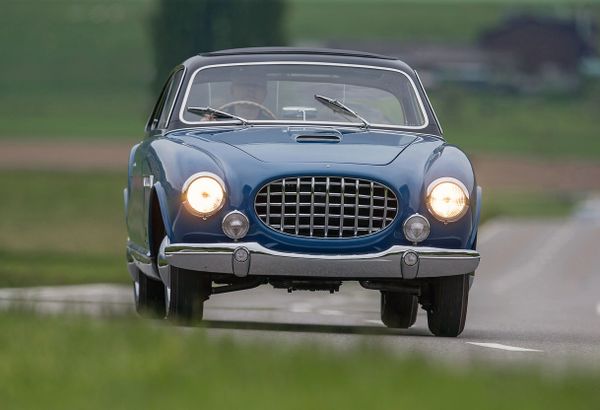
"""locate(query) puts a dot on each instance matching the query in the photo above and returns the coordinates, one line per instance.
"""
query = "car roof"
(267, 54)
(295, 50)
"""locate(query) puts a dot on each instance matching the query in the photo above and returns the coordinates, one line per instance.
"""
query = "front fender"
(163, 204)
(171, 163)
(425, 161)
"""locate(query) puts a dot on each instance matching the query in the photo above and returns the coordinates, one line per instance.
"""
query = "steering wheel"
(251, 103)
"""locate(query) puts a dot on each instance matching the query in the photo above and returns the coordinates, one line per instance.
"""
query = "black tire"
(398, 310)
(447, 314)
(188, 291)
(149, 296)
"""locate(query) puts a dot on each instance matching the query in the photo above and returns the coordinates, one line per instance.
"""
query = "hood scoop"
(319, 138)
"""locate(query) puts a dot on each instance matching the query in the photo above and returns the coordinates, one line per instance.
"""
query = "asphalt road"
(536, 298)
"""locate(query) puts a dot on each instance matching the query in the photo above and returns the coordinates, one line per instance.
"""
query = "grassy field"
(72, 363)
(401, 20)
(543, 126)
(66, 228)
(61, 228)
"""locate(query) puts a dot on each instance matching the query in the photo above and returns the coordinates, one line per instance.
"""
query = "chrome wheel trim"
(136, 291)
(167, 301)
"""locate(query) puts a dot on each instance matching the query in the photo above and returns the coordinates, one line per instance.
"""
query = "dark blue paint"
(247, 158)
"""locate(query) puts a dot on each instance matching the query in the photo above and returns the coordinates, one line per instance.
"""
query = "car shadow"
(312, 328)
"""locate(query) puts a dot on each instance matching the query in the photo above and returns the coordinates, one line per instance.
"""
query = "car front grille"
(326, 207)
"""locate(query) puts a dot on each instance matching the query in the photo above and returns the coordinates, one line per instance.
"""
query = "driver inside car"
(248, 94)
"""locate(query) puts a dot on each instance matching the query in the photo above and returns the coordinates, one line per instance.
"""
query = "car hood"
(309, 145)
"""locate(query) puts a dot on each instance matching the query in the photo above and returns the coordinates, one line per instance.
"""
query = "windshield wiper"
(217, 114)
(340, 108)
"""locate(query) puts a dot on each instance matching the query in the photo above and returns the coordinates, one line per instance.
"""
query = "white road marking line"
(329, 312)
(504, 347)
(377, 322)
(301, 308)
(538, 261)
(598, 309)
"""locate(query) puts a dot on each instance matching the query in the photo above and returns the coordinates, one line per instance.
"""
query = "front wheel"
(447, 313)
(398, 310)
(149, 296)
(185, 295)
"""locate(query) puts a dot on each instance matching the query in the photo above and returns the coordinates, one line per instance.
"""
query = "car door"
(157, 126)
(141, 179)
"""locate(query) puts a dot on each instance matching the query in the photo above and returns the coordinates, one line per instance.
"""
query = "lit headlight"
(204, 194)
(447, 199)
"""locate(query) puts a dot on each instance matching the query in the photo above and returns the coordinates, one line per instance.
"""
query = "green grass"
(543, 126)
(513, 204)
(446, 21)
(456, 22)
(67, 228)
(72, 363)
(60, 227)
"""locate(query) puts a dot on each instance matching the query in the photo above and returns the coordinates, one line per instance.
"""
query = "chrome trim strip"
(356, 205)
(217, 258)
(141, 259)
(148, 181)
(296, 229)
(176, 97)
(385, 208)
(312, 206)
(372, 191)
(439, 124)
(282, 216)
(209, 123)
(326, 223)
(342, 208)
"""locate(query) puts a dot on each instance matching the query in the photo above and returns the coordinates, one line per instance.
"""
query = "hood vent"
(319, 138)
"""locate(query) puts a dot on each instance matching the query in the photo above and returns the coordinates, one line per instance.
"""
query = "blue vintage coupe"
(302, 169)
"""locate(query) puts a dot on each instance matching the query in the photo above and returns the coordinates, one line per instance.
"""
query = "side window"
(171, 94)
(157, 114)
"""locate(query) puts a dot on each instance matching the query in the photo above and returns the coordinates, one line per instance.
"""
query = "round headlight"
(416, 228)
(235, 225)
(204, 194)
(447, 199)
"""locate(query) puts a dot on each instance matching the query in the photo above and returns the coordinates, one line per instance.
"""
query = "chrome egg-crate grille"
(326, 207)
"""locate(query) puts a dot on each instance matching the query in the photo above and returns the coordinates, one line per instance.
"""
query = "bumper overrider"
(250, 258)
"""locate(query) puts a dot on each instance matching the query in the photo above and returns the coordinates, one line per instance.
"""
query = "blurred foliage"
(183, 28)
(123, 363)
(66, 228)
(75, 67)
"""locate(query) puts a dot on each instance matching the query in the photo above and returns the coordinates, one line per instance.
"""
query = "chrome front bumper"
(243, 259)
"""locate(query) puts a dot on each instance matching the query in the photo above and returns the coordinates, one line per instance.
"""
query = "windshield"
(272, 92)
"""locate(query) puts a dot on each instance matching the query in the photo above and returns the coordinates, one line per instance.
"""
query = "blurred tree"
(183, 28)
